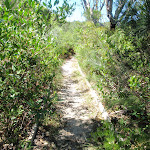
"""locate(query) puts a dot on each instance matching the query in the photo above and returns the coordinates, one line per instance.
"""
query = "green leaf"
(39, 101)
(56, 2)
(30, 2)
(33, 4)
(7, 4)
(25, 13)
(12, 118)
(19, 71)
(44, 4)
(10, 17)
(13, 68)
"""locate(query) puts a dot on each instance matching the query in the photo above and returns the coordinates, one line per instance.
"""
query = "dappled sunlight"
(47, 101)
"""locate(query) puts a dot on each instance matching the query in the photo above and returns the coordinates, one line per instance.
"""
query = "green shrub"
(29, 59)
(120, 136)
(119, 66)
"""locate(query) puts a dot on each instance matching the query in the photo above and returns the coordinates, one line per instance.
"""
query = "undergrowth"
(29, 58)
(34, 41)
(119, 66)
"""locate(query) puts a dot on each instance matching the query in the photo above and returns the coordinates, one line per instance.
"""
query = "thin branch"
(85, 4)
(101, 7)
(119, 9)
(109, 9)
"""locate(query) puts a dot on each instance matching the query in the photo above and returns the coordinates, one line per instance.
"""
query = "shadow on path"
(76, 123)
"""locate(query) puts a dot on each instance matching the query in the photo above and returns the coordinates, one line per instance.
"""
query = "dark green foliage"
(120, 67)
(28, 62)
(119, 136)
(137, 17)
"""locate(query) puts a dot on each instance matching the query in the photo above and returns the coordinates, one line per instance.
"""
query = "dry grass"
(88, 99)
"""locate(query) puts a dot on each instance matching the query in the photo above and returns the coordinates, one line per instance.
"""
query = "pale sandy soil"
(78, 123)
(79, 108)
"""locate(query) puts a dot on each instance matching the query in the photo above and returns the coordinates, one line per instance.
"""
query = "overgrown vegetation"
(29, 59)
(34, 39)
(118, 62)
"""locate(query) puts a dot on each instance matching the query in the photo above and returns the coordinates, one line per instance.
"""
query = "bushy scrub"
(119, 66)
(121, 137)
(28, 61)
(66, 36)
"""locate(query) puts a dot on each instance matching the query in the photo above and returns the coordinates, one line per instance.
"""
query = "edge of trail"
(76, 118)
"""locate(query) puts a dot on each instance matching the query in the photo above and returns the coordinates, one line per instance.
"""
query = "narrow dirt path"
(79, 107)
(76, 117)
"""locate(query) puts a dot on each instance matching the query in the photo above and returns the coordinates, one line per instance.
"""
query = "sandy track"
(79, 106)
(78, 124)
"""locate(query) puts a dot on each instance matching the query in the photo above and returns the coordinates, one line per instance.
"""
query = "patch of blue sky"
(77, 14)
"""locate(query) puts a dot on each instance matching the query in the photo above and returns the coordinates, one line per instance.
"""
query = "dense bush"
(29, 59)
(119, 66)
(32, 43)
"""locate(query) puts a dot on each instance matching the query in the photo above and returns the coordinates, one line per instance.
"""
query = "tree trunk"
(109, 14)
(114, 19)
(91, 7)
(112, 25)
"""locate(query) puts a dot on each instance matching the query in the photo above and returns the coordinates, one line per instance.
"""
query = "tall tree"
(93, 9)
(122, 8)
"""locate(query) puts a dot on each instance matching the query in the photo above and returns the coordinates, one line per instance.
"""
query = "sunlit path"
(78, 124)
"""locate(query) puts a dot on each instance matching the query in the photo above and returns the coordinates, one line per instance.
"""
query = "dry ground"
(78, 112)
